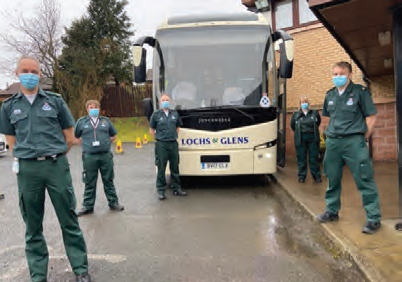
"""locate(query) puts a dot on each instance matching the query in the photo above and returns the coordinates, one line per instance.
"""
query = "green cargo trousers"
(310, 147)
(352, 151)
(34, 178)
(167, 151)
(93, 163)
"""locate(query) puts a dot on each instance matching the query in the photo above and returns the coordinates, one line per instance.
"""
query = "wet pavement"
(379, 256)
(227, 229)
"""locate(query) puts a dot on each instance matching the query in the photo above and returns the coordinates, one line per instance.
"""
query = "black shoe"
(83, 278)
(317, 180)
(371, 227)
(302, 180)
(84, 211)
(161, 196)
(179, 192)
(327, 217)
(117, 207)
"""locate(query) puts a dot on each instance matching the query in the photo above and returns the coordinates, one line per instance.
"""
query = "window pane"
(305, 14)
(284, 14)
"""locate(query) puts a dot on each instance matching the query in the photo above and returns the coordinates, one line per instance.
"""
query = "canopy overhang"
(364, 28)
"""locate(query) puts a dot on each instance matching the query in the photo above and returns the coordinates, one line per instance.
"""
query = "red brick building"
(316, 50)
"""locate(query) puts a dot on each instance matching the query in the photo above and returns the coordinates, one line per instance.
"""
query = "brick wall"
(384, 136)
(384, 140)
(315, 53)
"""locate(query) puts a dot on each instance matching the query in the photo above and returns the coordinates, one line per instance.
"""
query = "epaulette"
(81, 118)
(333, 88)
(53, 93)
(10, 98)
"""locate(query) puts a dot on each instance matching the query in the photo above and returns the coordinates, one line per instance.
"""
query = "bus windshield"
(214, 65)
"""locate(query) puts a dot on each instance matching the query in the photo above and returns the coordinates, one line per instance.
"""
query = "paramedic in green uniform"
(305, 123)
(39, 129)
(97, 134)
(352, 118)
(164, 126)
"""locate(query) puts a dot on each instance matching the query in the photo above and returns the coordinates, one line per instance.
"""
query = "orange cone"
(138, 144)
(119, 147)
(145, 140)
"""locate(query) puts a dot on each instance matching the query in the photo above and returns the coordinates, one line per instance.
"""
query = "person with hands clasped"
(97, 133)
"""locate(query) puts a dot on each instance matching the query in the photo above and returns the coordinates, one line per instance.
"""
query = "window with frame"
(287, 14)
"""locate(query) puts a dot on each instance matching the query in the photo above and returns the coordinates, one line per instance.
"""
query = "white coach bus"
(226, 75)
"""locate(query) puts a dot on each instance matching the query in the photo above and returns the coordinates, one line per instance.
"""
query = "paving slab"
(379, 256)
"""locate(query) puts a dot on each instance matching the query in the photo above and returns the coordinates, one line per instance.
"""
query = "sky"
(145, 15)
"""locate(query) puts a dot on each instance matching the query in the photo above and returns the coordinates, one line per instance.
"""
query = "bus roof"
(214, 19)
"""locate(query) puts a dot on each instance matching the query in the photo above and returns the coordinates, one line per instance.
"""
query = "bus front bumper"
(228, 162)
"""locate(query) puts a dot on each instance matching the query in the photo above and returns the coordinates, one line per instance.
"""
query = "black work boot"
(179, 192)
(83, 278)
(84, 211)
(161, 196)
(317, 179)
(371, 227)
(117, 207)
(302, 180)
(327, 217)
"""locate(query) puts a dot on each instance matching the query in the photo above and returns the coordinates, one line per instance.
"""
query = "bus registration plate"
(214, 165)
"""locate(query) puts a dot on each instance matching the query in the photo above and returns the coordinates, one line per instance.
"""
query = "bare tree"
(38, 35)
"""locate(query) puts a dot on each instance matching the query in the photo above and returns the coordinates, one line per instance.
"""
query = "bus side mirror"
(286, 58)
(148, 107)
(140, 64)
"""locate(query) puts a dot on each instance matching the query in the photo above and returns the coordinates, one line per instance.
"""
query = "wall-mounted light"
(262, 5)
(388, 63)
(384, 38)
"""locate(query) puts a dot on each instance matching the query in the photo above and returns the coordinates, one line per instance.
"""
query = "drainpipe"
(398, 91)
(370, 140)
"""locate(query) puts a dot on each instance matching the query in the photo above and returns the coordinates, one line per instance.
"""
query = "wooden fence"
(125, 101)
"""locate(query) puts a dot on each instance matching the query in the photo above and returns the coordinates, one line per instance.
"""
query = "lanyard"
(94, 126)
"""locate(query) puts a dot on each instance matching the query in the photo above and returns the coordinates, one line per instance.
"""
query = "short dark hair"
(344, 65)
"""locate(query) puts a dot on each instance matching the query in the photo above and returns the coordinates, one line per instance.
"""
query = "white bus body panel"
(244, 146)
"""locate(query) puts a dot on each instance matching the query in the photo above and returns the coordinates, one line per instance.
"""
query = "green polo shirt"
(348, 111)
(37, 127)
(165, 125)
(104, 130)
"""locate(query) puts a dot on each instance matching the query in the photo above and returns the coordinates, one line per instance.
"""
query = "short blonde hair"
(303, 98)
(92, 102)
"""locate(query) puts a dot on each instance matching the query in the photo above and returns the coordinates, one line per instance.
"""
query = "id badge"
(95, 143)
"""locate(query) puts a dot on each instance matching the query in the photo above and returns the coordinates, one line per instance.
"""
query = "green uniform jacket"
(38, 128)
(309, 123)
(348, 111)
(165, 126)
(85, 130)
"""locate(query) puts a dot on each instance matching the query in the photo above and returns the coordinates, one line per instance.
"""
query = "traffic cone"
(145, 140)
(138, 144)
(119, 147)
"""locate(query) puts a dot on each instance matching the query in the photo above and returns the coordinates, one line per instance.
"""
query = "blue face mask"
(340, 80)
(304, 106)
(165, 104)
(94, 113)
(29, 80)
